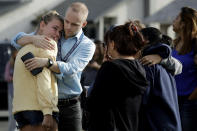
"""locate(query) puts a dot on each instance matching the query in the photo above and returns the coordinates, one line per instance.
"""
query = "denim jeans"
(70, 117)
(188, 113)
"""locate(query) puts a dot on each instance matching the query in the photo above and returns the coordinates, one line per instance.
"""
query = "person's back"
(160, 102)
(116, 98)
(26, 85)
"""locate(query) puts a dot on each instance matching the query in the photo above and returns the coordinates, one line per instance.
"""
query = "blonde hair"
(80, 8)
(139, 24)
(49, 16)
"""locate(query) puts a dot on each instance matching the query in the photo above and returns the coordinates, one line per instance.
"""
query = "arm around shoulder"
(173, 65)
(20, 40)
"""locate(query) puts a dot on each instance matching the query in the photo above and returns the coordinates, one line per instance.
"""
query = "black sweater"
(115, 100)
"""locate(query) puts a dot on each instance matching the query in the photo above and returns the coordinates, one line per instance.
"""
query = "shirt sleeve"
(17, 37)
(173, 65)
(44, 92)
(47, 85)
(78, 63)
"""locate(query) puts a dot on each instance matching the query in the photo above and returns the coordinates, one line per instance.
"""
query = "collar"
(78, 34)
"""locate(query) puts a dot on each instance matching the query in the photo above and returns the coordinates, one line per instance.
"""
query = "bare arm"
(41, 62)
(25, 40)
(37, 40)
(170, 63)
(151, 59)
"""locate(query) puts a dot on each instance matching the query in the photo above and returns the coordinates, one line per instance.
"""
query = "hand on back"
(150, 60)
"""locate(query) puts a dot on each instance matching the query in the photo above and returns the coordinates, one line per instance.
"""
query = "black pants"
(69, 115)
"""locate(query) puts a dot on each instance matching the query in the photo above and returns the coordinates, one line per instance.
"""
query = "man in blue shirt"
(74, 52)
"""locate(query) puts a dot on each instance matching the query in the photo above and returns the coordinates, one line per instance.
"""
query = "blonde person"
(35, 97)
(75, 50)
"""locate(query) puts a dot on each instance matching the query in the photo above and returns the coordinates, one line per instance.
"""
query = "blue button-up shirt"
(69, 79)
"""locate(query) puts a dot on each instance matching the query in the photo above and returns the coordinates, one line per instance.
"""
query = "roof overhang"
(167, 14)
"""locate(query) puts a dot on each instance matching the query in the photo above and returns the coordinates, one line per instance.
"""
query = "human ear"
(42, 25)
(84, 24)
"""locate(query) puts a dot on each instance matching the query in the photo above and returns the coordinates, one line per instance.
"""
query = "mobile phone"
(27, 56)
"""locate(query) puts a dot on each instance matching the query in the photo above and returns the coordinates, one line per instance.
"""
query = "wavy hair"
(188, 33)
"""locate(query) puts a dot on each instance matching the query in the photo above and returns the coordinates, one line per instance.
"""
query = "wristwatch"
(50, 63)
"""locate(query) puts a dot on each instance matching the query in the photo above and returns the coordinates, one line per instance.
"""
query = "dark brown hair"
(154, 36)
(100, 48)
(189, 31)
(127, 38)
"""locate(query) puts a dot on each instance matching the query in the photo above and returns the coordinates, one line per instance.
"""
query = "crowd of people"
(138, 79)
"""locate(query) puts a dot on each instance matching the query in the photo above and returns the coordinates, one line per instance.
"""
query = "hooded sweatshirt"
(160, 103)
(115, 100)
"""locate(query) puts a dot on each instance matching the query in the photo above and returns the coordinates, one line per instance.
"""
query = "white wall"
(156, 5)
(135, 9)
(19, 19)
(124, 11)
(119, 12)
(127, 10)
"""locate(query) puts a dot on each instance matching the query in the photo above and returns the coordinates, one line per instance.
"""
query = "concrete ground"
(3, 125)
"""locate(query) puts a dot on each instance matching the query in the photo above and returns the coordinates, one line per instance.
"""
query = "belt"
(68, 102)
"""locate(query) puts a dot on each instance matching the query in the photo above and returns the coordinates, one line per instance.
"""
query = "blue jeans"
(70, 116)
(188, 113)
